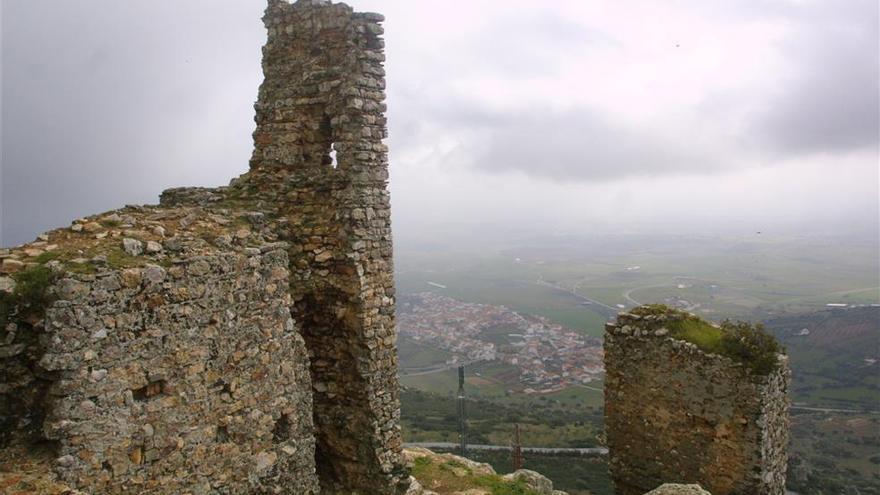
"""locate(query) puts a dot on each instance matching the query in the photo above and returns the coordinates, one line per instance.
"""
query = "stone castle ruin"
(677, 412)
(241, 339)
(230, 340)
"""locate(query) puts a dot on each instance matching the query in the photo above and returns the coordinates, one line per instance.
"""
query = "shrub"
(30, 296)
(7, 307)
(751, 345)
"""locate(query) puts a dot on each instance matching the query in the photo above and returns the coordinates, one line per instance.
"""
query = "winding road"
(602, 308)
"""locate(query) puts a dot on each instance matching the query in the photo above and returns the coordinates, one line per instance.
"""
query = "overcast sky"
(577, 115)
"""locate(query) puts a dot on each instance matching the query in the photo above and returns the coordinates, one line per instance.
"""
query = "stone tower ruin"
(318, 148)
(675, 413)
(229, 340)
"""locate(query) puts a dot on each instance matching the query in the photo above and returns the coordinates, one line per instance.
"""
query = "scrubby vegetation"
(750, 344)
(741, 341)
(30, 296)
(428, 417)
(544, 422)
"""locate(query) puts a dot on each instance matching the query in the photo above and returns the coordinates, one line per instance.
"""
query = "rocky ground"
(29, 472)
(448, 474)
(434, 474)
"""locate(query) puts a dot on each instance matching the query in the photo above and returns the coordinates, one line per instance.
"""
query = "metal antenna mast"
(517, 449)
(462, 415)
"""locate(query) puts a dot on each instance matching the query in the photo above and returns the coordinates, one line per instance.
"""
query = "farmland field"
(753, 278)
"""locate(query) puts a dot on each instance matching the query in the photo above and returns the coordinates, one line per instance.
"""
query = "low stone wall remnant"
(675, 413)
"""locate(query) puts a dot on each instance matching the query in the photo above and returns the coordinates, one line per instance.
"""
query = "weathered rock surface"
(534, 481)
(29, 471)
(413, 453)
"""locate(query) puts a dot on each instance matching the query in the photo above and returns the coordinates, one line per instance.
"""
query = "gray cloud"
(825, 101)
(578, 145)
(832, 102)
(107, 102)
(519, 46)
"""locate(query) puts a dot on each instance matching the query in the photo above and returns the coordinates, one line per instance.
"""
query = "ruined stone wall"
(169, 356)
(234, 363)
(676, 414)
(320, 170)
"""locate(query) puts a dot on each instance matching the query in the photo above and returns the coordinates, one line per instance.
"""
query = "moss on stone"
(741, 341)
(80, 268)
(699, 332)
(117, 258)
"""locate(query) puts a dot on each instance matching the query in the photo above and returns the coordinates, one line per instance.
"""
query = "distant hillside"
(835, 356)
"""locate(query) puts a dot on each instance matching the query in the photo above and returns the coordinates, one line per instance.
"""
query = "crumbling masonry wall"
(168, 357)
(676, 414)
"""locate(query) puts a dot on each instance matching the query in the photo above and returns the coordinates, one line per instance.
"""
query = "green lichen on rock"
(741, 341)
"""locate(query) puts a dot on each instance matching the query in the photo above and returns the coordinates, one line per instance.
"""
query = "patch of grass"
(499, 486)
(699, 332)
(117, 258)
(81, 268)
(242, 222)
(47, 257)
(452, 465)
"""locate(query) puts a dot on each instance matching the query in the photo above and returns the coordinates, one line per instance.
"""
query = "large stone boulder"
(534, 481)
(413, 453)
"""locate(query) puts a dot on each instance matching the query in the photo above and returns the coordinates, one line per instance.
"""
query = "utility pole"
(462, 415)
(517, 449)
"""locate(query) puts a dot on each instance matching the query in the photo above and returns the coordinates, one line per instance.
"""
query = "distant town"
(549, 356)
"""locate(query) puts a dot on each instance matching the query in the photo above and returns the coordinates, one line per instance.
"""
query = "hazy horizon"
(506, 118)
